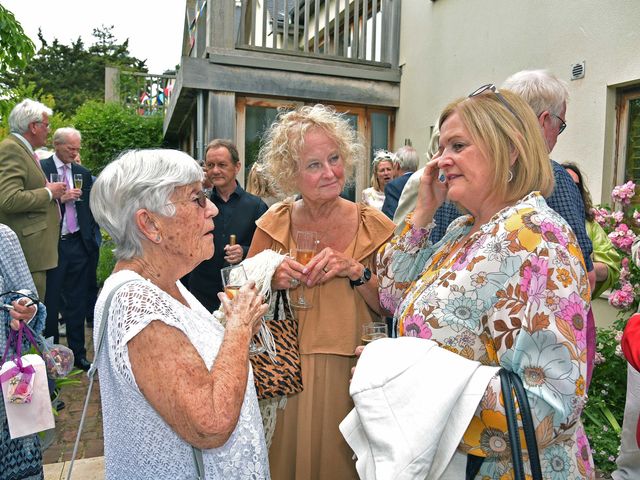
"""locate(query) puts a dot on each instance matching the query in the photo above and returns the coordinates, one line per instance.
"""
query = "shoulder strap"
(94, 366)
(199, 461)
(510, 382)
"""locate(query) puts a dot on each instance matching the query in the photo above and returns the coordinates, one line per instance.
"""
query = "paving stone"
(68, 419)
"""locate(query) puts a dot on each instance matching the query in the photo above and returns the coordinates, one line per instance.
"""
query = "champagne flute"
(306, 243)
(373, 331)
(233, 278)
(77, 183)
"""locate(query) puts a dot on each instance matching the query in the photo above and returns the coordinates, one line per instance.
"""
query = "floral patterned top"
(515, 294)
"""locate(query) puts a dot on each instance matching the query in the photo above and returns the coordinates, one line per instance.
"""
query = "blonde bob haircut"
(378, 157)
(497, 131)
(285, 140)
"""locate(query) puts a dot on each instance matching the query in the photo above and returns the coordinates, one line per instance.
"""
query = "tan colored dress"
(307, 444)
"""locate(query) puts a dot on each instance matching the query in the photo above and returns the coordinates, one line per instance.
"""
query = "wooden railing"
(146, 93)
(352, 30)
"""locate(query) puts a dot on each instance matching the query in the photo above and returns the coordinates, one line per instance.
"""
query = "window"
(628, 165)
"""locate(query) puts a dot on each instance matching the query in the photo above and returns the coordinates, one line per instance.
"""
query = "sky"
(154, 27)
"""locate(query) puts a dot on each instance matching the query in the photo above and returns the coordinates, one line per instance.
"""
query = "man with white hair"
(406, 162)
(27, 199)
(76, 247)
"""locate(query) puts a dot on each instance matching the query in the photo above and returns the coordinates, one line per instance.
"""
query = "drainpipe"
(200, 127)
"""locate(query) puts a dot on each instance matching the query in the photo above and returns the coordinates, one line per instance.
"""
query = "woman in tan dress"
(312, 152)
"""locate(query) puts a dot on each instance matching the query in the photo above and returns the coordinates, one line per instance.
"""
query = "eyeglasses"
(491, 87)
(46, 124)
(563, 124)
(201, 199)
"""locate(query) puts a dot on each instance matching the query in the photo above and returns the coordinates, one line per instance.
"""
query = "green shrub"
(107, 261)
(602, 416)
(110, 128)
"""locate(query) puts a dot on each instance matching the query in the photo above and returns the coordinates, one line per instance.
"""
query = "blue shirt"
(237, 217)
(565, 199)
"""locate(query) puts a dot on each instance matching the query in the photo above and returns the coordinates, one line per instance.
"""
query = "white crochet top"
(138, 444)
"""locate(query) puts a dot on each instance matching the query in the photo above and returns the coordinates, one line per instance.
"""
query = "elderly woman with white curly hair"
(173, 380)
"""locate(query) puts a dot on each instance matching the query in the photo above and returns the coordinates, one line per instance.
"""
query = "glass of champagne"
(77, 183)
(373, 331)
(233, 278)
(306, 243)
(55, 177)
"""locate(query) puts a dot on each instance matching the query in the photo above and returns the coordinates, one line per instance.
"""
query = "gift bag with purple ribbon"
(24, 389)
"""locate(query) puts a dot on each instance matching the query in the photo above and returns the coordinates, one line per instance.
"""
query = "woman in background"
(258, 185)
(606, 259)
(382, 167)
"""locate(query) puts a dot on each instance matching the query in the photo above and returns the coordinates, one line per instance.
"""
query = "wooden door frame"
(363, 172)
(622, 132)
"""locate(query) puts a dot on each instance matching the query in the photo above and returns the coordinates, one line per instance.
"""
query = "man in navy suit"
(77, 244)
(406, 163)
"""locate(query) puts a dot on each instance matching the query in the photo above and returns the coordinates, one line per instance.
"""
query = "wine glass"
(373, 331)
(233, 278)
(77, 183)
(55, 178)
(306, 243)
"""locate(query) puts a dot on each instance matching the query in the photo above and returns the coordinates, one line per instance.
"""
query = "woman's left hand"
(21, 312)
(328, 264)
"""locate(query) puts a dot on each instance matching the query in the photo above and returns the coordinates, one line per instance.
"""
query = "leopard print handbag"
(283, 375)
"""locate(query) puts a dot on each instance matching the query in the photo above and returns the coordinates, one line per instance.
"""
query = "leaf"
(489, 400)
(540, 321)
(566, 330)
(544, 432)
(467, 352)
(500, 326)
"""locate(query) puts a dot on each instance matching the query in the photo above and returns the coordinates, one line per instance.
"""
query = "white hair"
(407, 158)
(26, 112)
(139, 179)
(62, 135)
(540, 89)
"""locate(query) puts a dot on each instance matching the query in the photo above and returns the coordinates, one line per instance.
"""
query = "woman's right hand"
(23, 311)
(287, 275)
(431, 194)
(246, 309)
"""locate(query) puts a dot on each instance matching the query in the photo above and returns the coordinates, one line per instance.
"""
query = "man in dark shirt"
(239, 211)
(406, 163)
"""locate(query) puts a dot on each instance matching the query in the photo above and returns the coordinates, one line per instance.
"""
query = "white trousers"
(629, 459)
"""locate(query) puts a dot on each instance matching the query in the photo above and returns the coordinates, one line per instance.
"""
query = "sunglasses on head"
(492, 88)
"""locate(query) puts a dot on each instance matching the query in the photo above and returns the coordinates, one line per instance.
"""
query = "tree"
(15, 51)
(16, 48)
(110, 128)
(73, 74)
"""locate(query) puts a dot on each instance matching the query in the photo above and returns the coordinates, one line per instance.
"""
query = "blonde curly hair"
(285, 139)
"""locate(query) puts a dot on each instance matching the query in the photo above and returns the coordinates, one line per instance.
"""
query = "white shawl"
(413, 402)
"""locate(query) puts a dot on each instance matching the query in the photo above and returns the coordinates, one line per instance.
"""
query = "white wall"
(448, 48)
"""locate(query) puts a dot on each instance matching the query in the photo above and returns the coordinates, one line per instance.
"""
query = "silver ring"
(324, 269)
(294, 282)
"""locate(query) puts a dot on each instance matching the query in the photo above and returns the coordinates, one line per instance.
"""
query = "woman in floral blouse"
(505, 286)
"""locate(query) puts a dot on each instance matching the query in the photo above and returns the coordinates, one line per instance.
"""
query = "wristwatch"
(366, 276)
